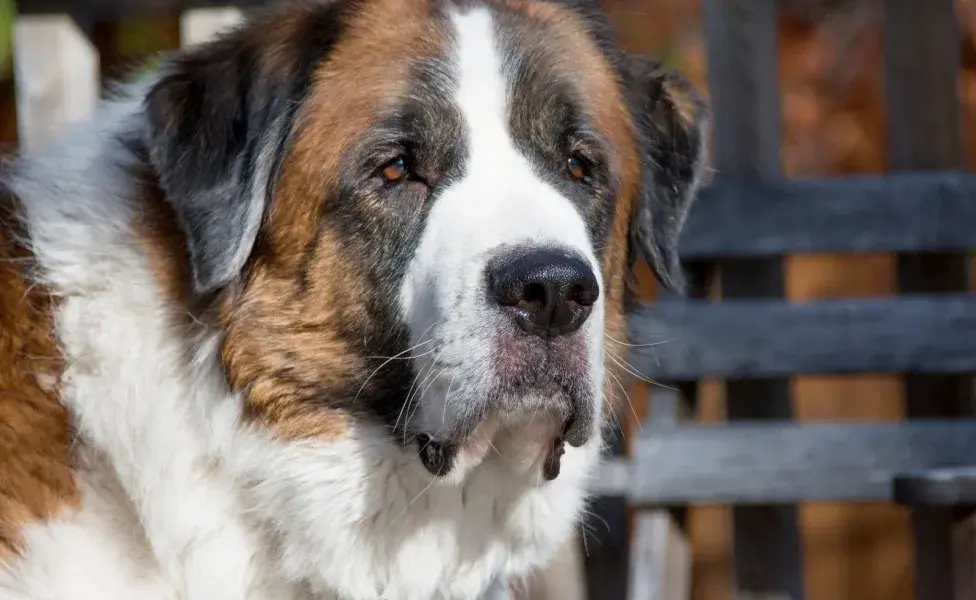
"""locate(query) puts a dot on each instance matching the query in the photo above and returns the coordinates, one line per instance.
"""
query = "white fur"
(182, 502)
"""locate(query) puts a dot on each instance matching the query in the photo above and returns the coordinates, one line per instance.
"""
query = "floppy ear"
(671, 121)
(217, 122)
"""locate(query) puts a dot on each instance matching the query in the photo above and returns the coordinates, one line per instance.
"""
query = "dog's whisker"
(635, 373)
(399, 355)
(411, 396)
(394, 357)
(633, 410)
(630, 345)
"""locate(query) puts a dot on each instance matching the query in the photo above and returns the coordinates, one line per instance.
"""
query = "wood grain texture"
(766, 338)
(758, 462)
(908, 212)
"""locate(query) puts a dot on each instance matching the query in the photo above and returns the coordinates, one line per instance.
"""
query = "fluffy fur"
(260, 332)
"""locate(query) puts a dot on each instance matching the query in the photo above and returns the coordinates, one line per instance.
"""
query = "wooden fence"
(925, 211)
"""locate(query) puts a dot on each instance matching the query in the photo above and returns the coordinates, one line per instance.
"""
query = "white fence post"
(660, 562)
(57, 77)
(201, 24)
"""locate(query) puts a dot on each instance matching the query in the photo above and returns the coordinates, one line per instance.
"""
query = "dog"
(328, 307)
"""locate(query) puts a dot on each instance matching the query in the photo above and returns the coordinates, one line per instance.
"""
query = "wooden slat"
(203, 24)
(742, 54)
(924, 127)
(763, 462)
(761, 338)
(909, 212)
(56, 69)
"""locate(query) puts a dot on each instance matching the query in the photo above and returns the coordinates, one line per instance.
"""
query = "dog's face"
(423, 213)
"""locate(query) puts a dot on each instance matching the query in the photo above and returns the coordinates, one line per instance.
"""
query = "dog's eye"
(396, 170)
(576, 168)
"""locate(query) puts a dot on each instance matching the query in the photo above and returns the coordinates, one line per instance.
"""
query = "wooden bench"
(761, 461)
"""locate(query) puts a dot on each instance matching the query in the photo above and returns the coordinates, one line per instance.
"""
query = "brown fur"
(282, 337)
(36, 479)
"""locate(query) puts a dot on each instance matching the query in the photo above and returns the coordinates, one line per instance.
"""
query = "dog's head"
(423, 213)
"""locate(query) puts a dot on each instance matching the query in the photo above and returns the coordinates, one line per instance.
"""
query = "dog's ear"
(671, 122)
(217, 123)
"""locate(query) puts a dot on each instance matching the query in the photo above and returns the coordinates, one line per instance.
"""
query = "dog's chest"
(359, 521)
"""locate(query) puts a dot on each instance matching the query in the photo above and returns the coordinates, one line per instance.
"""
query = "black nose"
(547, 292)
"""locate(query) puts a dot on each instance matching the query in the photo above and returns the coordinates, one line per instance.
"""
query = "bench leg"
(964, 556)
(945, 553)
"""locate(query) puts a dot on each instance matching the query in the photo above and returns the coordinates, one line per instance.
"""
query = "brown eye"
(576, 168)
(396, 170)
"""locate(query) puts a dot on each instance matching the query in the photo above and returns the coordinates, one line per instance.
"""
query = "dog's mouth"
(439, 456)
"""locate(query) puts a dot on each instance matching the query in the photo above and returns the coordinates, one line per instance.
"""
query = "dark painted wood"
(909, 212)
(937, 487)
(765, 338)
(964, 554)
(742, 53)
(606, 533)
(777, 461)
(924, 126)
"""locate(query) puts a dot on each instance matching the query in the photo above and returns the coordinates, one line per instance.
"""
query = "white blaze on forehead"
(500, 189)
(482, 89)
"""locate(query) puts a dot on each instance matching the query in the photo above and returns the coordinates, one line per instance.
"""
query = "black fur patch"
(672, 135)
(214, 124)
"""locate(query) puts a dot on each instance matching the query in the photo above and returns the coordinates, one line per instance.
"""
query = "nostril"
(584, 293)
(535, 293)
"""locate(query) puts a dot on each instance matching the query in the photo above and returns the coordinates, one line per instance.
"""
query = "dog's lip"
(553, 459)
(437, 456)
(576, 431)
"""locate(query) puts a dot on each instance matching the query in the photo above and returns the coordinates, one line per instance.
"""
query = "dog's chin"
(526, 432)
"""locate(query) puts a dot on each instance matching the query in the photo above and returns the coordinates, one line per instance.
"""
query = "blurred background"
(833, 122)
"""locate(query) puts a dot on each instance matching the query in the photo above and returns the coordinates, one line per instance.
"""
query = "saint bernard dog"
(332, 307)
